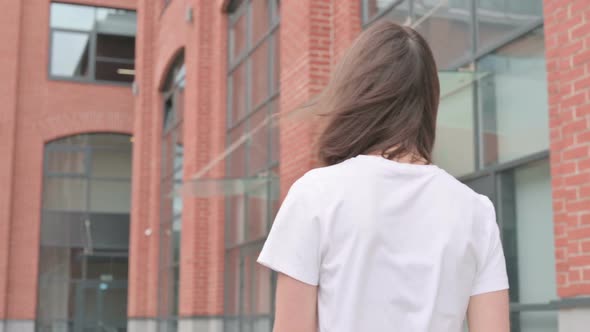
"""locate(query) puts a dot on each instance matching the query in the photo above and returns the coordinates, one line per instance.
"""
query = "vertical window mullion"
(92, 54)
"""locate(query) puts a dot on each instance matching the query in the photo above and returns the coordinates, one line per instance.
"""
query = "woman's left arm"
(296, 306)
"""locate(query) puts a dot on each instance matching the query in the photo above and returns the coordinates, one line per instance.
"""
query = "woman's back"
(380, 239)
(392, 246)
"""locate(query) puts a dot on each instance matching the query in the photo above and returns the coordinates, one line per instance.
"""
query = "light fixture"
(123, 71)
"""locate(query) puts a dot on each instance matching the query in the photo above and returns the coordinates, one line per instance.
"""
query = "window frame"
(247, 247)
(175, 82)
(92, 49)
(88, 152)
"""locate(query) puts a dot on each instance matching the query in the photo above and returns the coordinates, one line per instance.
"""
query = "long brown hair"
(382, 98)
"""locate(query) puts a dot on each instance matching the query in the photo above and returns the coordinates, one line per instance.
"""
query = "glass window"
(438, 21)
(68, 16)
(251, 166)
(84, 233)
(69, 54)
(171, 203)
(400, 13)
(513, 97)
(92, 43)
(374, 7)
(527, 231)
(454, 148)
(498, 19)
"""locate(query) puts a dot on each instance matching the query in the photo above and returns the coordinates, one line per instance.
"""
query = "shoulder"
(317, 178)
(461, 190)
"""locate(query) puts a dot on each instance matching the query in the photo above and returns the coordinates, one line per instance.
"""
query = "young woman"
(380, 239)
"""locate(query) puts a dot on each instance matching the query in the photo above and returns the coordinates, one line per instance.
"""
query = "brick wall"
(567, 40)
(314, 33)
(9, 53)
(164, 34)
(36, 110)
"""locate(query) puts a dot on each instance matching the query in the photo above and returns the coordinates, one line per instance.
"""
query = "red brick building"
(145, 146)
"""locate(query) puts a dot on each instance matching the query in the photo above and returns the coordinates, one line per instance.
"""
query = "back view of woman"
(380, 239)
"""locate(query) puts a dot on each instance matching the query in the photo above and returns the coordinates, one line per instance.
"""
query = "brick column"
(346, 22)
(142, 307)
(9, 53)
(202, 244)
(567, 40)
(306, 55)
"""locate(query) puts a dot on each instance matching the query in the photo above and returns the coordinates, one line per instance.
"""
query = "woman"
(380, 239)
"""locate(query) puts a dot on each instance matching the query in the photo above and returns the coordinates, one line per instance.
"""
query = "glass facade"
(493, 130)
(84, 251)
(171, 203)
(92, 43)
(252, 137)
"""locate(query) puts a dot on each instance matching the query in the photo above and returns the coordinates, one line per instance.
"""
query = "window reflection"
(375, 7)
(513, 98)
(497, 19)
(69, 56)
(454, 148)
(527, 232)
(447, 29)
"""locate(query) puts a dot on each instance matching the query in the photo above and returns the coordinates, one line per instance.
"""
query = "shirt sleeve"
(491, 265)
(293, 245)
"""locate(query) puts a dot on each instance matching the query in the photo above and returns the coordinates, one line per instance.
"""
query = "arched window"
(171, 205)
(84, 248)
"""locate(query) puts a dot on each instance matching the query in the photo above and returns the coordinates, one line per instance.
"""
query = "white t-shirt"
(392, 246)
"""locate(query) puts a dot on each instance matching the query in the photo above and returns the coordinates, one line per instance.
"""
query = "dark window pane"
(105, 267)
(112, 46)
(513, 96)
(69, 54)
(238, 91)
(116, 22)
(452, 19)
(497, 19)
(75, 17)
(260, 19)
(114, 71)
(260, 74)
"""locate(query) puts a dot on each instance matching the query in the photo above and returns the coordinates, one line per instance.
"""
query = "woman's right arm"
(489, 312)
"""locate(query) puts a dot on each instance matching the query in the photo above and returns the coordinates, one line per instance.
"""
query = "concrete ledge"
(17, 326)
(574, 320)
(141, 325)
(201, 324)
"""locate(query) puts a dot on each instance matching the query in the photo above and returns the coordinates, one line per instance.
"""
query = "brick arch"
(74, 123)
